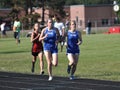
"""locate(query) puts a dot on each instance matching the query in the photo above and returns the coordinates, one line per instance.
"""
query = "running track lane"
(18, 81)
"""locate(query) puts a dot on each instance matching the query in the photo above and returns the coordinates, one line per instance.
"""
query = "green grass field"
(99, 59)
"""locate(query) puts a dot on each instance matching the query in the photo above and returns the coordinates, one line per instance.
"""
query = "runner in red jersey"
(37, 48)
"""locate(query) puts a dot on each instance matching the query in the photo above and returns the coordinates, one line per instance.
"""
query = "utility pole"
(30, 5)
(116, 8)
(43, 9)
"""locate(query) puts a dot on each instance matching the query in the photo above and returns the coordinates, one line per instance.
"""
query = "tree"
(88, 2)
(118, 12)
(5, 4)
(56, 6)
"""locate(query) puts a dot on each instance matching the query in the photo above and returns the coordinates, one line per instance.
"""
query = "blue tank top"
(72, 40)
(50, 40)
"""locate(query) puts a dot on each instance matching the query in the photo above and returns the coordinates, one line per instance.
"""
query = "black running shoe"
(42, 73)
(18, 41)
(32, 70)
(68, 69)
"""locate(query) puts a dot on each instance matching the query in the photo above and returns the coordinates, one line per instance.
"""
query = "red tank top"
(37, 45)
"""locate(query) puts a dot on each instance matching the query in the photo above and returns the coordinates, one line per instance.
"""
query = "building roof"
(5, 11)
(93, 5)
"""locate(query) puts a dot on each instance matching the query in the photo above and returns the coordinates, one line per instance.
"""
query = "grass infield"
(99, 58)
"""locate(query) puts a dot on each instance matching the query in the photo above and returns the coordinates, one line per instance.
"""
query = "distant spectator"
(60, 26)
(54, 18)
(3, 29)
(17, 29)
(88, 28)
(67, 24)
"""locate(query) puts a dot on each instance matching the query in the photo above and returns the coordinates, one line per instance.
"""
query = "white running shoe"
(72, 77)
(50, 78)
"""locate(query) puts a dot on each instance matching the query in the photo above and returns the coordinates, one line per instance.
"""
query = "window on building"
(104, 21)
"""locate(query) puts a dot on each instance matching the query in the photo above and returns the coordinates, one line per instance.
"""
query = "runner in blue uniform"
(74, 39)
(50, 36)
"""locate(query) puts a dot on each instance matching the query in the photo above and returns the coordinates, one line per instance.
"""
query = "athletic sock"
(33, 65)
(68, 69)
